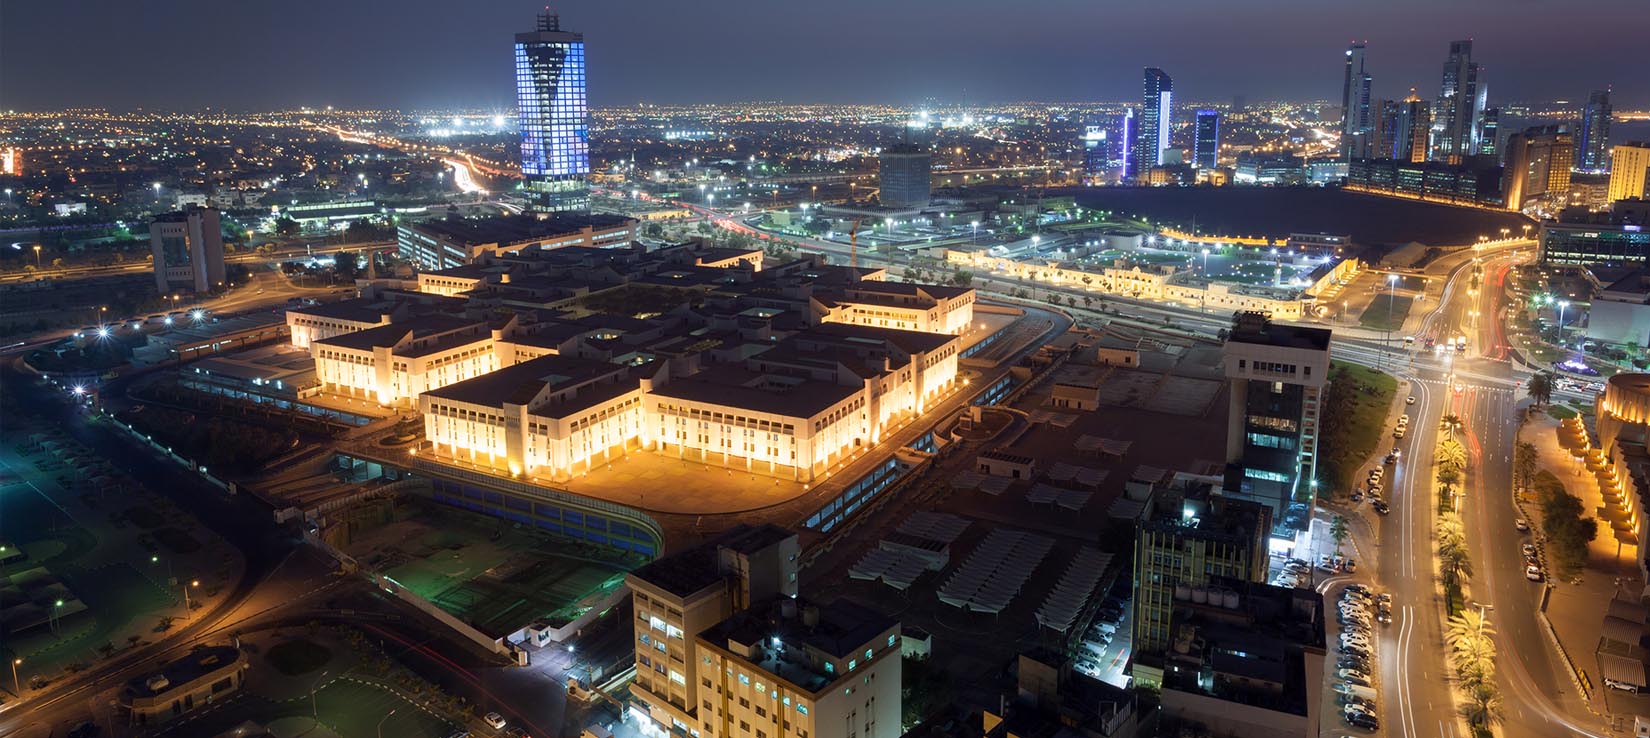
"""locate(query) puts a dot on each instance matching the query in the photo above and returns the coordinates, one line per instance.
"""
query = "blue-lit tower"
(1206, 145)
(1156, 114)
(1128, 132)
(554, 119)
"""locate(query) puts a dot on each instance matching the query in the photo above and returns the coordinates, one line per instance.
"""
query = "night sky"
(252, 55)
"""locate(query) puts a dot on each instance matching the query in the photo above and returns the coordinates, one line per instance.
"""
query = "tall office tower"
(11, 161)
(1188, 534)
(1456, 120)
(1489, 132)
(188, 250)
(1629, 168)
(678, 597)
(904, 177)
(1417, 127)
(1156, 114)
(1386, 117)
(552, 115)
(1593, 135)
(1277, 375)
(1356, 125)
(1206, 146)
(1538, 165)
(1096, 152)
(1129, 127)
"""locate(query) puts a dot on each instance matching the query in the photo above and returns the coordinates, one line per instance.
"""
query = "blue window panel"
(549, 526)
(549, 511)
(573, 517)
(495, 498)
(516, 503)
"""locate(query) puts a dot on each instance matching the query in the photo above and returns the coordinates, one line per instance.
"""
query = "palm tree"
(1451, 453)
(1450, 422)
(1338, 532)
(1524, 462)
(1540, 388)
(1468, 625)
(1448, 476)
(1483, 707)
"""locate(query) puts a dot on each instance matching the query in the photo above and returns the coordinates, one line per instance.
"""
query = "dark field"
(1280, 211)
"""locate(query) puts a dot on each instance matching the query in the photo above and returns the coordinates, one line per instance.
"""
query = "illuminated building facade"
(1538, 165)
(553, 116)
(1096, 152)
(925, 308)
(1458, 119)
(187, 247)
(1629, 170)
(1356, 125)
(1156, 119)
(11, 161)
(309, 324)
(1277, 375)
(1593, 134)
(393, 364)
(1206, 144)
(1623, 411)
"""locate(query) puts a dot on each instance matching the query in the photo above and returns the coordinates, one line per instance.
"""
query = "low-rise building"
(207, 675)
(452, 242)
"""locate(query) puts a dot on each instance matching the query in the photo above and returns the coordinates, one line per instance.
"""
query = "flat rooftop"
(506, 229)
(694, 569)
(842, 629)
(1284, 335)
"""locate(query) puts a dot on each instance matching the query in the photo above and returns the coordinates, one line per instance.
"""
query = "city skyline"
(800, 58)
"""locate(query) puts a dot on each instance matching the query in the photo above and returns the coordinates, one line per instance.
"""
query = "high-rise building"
(1156, 114)
(1489, 132)
(11, 161)
(1538, 165)
(1188, 534)
(1277, 374)
(553, 117)
(904, 177)
(678, 597)
(1457, 120)
(1593, 134)
(1402, 128)
(1356, 124)
(188, 250)
(1096, 152)
(1629, 168)
(1206, 145)
(1129, 134)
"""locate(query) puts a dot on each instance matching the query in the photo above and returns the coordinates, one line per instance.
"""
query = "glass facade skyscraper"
(554, 117)
(1206, 146)
(1457, 122)
(1156, 113)
(1356, 124)
(1593, 135)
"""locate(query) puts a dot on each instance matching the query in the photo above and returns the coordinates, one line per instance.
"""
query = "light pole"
(186, 606)
(36, 253)
(973, 231)
(381, 723)
(1205, 263)
(314, 711)
(16, 685)
(55, 618)
(1561, 305)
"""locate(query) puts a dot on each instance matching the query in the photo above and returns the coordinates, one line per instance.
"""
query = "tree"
(1466, 627)
(1568, 532)
(1338, 532)
(287, 228)
(1483, 706)
(1540, 388)
(1451, 422)
(1524, 462)
(1451, 454)
(1448, 476)
(347, 266)
(962, 277)
(57, 263)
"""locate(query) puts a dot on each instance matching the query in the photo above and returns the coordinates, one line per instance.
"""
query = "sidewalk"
(1576, 610)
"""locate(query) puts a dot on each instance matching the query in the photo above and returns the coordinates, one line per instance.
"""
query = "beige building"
(309, 324)
(687, 593)
(1629, 170)
(792, 669)
(926, 308)
(392, 364)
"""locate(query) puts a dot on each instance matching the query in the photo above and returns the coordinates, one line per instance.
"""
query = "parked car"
(1381, 507)
(1410, 401)
(1533, 573)
(494, 720)
(1522, 525)
(1529, 549)
(1623, 686)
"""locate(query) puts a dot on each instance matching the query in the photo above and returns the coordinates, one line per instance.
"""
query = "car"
(1377, 473)
(1529, 549)
(1356, 639)
(1359, 588)
(1351, 662)
(494, 720)
(1410, 400)
(1522, 525)
(1403, 419)
(1364, 720)
(1623, 686)
(1381, 507)
(1354, 608)
(1399, 433)
(1357, 496)
(1349, 566)
(1533, 573)
(1384, 598)
(1350, 672)
(1357, 682)
(1396, 452)
(1391, 459)
(1385, 618)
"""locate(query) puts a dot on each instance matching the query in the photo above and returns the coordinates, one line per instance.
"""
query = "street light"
(314, 711)
(186, 606)
(16, 686)
(381, 723)
(1561, 305)
(36, 252)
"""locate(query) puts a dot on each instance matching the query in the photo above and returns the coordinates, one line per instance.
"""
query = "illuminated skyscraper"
(1489, 131)
(1129, 133)
(1538, 165)
(1593, 135)
(1629, 170)
(1096, 151)
(1458, 119)
(551, 110)
(1356, 125)
(1156, 114)
(904, 176)
(1206, 145)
